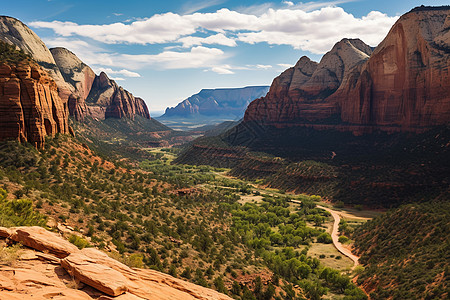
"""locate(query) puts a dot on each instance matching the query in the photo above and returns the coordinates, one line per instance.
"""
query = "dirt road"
(335, 235)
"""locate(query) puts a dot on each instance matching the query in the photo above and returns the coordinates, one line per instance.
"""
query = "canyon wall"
(30, 107)
(404, 85)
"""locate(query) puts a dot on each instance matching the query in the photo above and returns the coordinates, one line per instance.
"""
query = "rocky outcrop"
(40, 239)
(403, 86)
(30, 107)
(14, 32)
(78, 75)
(101, 277)
(84, 274)
(217, 102)
(299, 93)
(108, 100)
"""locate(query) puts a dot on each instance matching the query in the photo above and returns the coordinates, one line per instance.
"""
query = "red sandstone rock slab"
(94, 274)
(43, 240)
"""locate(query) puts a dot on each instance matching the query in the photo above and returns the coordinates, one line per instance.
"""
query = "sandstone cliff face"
(299, 93)
(14, 32)
(403, 86)
(108, 100)
(30, 107)
(78, 75)
(406, 82)
(217, 102)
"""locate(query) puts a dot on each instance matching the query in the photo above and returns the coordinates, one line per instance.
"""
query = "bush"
(78, 241)
(324, 238)
(19, 212)
(343, 239)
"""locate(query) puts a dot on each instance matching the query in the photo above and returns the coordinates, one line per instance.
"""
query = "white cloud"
(295, 25)
(319, 30)
(225, 70)
(288, 3)
(218, 39)
(265, 67)
(101, 60)
(72, 44)
(285, 65)
(197, 57)
(160, 28)
(122, 72)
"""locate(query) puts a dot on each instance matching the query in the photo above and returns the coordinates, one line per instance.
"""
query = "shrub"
(343, 239)
(78, 241)
(324, 238)
(18, 212)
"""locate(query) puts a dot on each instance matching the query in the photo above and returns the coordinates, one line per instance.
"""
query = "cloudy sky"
(165, 51)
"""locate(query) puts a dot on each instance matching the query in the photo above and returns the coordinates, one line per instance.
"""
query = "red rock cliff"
(403, 86)
(30, 107)
(108, 100)
(300, 93)
(406, 81)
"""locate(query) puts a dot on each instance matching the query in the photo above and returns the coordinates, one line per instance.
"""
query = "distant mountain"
(217, 102)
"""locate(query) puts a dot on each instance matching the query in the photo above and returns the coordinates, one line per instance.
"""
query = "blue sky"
(165, 51)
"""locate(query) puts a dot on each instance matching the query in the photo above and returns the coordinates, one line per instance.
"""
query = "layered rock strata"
(14, 32)
(109, 100)
(30, 107)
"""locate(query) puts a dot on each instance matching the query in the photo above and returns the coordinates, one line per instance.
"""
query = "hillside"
(187, 221)
(406, 253)
(140, 132)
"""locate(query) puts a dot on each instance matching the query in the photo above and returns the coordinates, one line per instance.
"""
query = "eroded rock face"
(78, 75)
(108, 100)
(14, 32)
(406, 81)
(403, 86)
(30, 107)
(84, 274)
(73, 78)
(299, 93)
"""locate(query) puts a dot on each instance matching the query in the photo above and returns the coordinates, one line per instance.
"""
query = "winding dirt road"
(335, 234)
